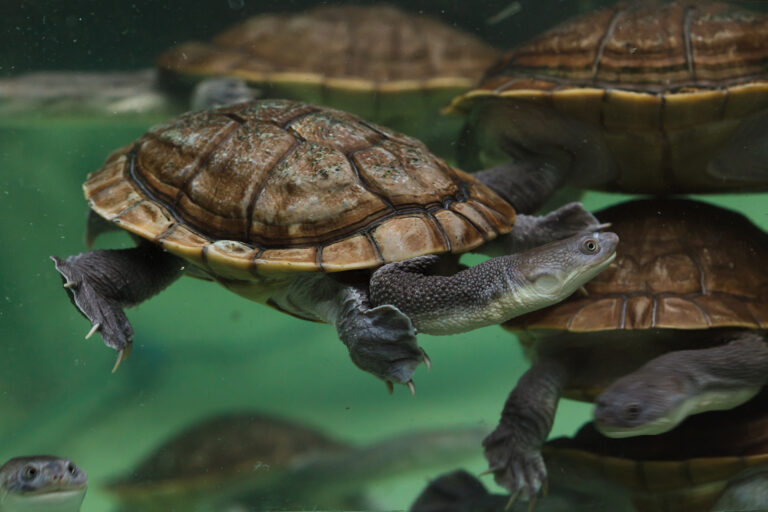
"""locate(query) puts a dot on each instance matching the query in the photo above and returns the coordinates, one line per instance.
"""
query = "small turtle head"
(556, 270)
(42, 475)
(634, 406)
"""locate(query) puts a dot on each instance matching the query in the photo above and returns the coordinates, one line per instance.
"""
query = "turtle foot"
(382, 341)
(88, 291)
(571, 219)
(516, 467)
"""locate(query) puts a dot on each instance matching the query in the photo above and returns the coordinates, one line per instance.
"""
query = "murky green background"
(198, 349)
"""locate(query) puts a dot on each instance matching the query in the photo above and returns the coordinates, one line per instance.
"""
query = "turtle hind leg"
(101, 283)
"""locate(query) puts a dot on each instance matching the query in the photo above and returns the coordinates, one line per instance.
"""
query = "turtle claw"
(93, 330)
(512, 500)
(122, 355)
(390, 387)
(412, 387)
(427, 360)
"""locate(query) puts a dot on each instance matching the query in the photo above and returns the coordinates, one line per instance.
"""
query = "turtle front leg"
(671, 387)
(381, 340)
(101, 283)
(513, 449)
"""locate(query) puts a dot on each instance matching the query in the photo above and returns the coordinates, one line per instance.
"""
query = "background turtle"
(685, 301)
(393, 67)
(297, 205)
(258, 462)
(642, 97)
(40, 483)
(713, 462)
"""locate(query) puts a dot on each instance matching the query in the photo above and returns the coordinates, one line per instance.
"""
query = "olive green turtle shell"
(358, 58)
(680, 265)
(222, 450)
(279, 186)
(664, 86)
(685, 470)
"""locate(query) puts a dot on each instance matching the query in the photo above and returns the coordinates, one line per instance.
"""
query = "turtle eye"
(590, 246)
(29, 473)
(72, 469)
(632, 411)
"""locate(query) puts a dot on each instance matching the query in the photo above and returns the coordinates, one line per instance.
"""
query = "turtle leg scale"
(381, 340)
(101, 283)
(513, 449)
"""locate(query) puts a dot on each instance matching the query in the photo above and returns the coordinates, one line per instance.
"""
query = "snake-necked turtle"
(641, 97)
(685, 302)
(259, 462)
(41, 483)
(326, 217)
(713, 462)
(392, 67)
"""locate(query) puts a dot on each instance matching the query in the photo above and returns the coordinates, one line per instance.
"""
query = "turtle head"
(554, 271)
(41, 482)
(635, 405)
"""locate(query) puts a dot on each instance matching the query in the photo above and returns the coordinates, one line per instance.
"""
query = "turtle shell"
(222, 451)
(686, 469)
(279, 186)
(376, 61)
(681, 265)
(663, 88)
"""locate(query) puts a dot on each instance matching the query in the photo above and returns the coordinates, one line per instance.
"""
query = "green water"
(199, 349)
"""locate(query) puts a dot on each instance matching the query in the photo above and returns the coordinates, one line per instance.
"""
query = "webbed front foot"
(90, 293)
(516, 464)
(568, 220)
(101, 283)
(382, 341)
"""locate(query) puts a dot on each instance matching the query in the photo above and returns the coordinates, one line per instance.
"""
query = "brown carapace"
(369, 47)
(390, 66)
(281, 186)
(669, 90)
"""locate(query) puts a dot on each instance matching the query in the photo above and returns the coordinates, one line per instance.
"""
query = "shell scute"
(405, 237)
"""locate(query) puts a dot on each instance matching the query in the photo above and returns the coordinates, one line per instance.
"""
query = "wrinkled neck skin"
(57, 501)
(505, 287)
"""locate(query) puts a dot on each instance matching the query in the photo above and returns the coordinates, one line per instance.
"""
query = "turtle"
(713, 462)
(256, 461)
(41, 483)
(674, 327)
(387, 65)
(641, 97)
(329, 218)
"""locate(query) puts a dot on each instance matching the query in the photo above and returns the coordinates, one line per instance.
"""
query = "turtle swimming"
(254, 461)
(390, 66)
(329, 218)
(675, 327)
(713, 462)
(641, 97)
(41, 483)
